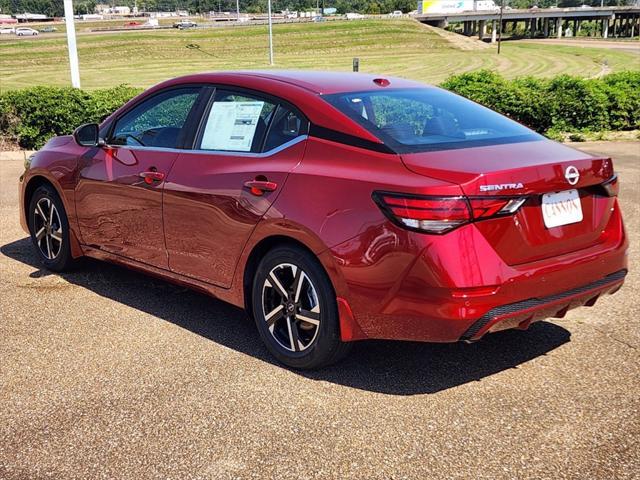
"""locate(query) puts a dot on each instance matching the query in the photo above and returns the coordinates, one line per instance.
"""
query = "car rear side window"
(286, 125)
(236, 123)
(413, 120)
(157, 121)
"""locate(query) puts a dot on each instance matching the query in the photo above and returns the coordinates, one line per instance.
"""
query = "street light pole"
(270, 34)
(238, 9)
(71, 44)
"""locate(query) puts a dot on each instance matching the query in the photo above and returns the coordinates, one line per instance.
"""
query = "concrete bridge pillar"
(493, 31)
(533, 23)
(545, 27)
(482, 29)
(559, 27)
(605, 28)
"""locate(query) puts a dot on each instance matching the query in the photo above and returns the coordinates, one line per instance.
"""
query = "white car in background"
(7, 30)
(183, 24)
(25, 32)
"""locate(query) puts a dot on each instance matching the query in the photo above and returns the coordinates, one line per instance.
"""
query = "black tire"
(315, 346)
(55, 255)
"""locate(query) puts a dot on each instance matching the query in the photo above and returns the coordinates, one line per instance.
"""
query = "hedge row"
(29, 117)
(559, 104)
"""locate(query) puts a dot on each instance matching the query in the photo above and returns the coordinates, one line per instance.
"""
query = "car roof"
(318, 82)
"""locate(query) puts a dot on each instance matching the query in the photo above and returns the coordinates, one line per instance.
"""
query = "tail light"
(611, 186)
(437, 215)
(607, 168)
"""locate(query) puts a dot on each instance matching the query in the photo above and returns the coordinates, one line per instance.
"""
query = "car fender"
(275, 226)
(58, 168)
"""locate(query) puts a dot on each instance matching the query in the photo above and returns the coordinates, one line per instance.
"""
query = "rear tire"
(295, 309)
(49, 228)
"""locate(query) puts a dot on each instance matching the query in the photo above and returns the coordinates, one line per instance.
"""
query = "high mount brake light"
(438, 215)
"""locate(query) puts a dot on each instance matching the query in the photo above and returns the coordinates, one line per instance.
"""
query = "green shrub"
(29, 117)
(560, 104)
(576, 104)
(623, 92)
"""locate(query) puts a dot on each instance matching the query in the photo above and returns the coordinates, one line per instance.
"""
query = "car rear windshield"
(425, 119)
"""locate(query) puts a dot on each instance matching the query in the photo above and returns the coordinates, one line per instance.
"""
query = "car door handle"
(151, 176)
(258, 187)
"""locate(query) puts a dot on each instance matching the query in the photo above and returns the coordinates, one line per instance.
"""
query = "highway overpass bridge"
(542, 22)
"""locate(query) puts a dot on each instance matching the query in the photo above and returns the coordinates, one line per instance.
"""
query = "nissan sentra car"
(333, 207)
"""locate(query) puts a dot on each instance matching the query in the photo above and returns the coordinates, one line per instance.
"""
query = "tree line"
(54, 8)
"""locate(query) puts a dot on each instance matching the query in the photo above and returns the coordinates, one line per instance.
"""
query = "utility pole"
(71, 43)
(500, 25)
(238, 10)
(270, 34)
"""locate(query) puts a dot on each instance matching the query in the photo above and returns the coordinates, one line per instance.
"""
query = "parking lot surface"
(107, 373)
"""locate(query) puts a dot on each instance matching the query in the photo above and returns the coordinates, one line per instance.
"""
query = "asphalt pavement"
(107, 373)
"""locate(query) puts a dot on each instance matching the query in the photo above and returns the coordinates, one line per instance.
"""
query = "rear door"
(217, 193)
(119, 190)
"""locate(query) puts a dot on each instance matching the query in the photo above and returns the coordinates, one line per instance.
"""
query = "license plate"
(561, 208)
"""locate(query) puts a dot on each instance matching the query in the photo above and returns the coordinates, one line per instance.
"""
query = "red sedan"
(333, 207)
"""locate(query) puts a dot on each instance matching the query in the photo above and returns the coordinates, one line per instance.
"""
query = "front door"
(216, 194)
(119, 191)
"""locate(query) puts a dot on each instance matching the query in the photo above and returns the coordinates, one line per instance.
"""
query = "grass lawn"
(392, 47)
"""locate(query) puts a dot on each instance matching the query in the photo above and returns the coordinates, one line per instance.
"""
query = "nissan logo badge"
(572, 175)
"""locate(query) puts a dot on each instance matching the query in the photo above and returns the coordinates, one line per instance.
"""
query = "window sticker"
(231, 126)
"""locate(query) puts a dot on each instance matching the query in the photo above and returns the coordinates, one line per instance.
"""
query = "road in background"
(109, 373)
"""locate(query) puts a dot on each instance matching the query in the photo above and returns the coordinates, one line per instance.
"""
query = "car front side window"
(157, 121)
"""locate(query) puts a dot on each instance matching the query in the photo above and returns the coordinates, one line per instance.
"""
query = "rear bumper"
(522, 314)
(455, 287)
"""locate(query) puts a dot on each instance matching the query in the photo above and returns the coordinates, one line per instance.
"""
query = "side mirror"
(88, 135)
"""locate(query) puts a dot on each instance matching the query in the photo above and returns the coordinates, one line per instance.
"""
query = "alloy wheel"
(291, 307)
(47, 228)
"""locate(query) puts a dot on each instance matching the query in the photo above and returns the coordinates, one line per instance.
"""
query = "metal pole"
(238, 9)
(71, 44)
(500, 26)
(270, 35)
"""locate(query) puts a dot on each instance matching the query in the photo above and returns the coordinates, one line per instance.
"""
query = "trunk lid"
(529, 169)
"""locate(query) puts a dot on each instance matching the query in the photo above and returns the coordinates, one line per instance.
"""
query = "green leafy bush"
(560, 104)
(29, 117)
(623, 92)
(576, 104)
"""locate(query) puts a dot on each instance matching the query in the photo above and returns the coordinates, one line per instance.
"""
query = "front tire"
(49, 228)
(295, 310)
